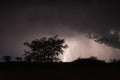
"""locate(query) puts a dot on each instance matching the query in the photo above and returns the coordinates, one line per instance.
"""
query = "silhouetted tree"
(18, 59)
(111, 39)
(7, 58)
(44, 49)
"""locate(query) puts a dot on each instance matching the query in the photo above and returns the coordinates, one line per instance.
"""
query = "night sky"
(22, 21)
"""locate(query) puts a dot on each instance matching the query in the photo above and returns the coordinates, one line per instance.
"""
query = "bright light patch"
(82, 47)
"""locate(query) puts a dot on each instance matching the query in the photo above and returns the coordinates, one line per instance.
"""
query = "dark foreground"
(59, 71)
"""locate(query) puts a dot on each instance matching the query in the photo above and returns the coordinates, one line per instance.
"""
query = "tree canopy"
(45, 49)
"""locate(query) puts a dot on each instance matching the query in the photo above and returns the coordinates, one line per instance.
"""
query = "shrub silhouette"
(91, 60)
(18, 59)
(7, 58)
(44, 49)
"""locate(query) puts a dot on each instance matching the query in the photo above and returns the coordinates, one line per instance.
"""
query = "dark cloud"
(25, 20)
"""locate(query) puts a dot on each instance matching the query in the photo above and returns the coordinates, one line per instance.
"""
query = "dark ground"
(59, 71)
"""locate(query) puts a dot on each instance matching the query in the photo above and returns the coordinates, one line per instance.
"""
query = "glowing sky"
(84, 48)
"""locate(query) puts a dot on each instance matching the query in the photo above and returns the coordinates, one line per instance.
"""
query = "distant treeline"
(90, 60)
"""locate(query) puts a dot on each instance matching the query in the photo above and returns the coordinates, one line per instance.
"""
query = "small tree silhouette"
(7, 58)
(44, 49)
(18, 59)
